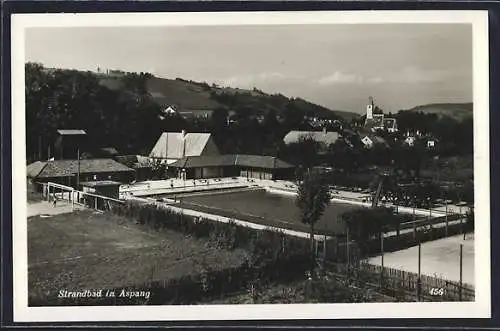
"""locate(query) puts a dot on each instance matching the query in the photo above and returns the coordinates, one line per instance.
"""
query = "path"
(46, 208)
(439, 258)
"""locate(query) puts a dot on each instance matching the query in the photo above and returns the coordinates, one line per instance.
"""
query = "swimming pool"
(267, 208)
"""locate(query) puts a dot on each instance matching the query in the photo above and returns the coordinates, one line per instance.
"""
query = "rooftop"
(71, 132)
(101, 183)
(244, 160)
(65, 168)
(173, 145)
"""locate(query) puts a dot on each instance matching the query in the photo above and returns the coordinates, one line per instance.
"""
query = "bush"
(267, 248)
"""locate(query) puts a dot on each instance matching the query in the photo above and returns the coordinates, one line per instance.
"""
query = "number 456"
(437, 291)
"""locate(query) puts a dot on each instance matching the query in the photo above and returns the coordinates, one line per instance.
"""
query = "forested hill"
(125, 110)
(191, 96)
(457, 111)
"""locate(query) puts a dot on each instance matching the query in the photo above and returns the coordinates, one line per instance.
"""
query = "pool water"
(275, 207)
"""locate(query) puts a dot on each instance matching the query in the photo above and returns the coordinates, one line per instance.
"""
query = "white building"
(173, 146)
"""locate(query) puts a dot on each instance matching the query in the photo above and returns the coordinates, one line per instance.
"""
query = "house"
(431, 142)
(325, 138)
(371, 140)
(232, 165)
(173, 146)
(69, 172)
(170, 110)
(378, 121)
(69, 143)
(196, 114)
(390, 124)
(409, 140)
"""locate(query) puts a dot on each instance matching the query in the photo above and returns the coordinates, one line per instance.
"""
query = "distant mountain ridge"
(457, 111)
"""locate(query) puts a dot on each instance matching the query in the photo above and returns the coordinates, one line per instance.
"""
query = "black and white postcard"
(230, 165)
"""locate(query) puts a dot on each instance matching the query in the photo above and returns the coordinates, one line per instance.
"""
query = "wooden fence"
(400, 283)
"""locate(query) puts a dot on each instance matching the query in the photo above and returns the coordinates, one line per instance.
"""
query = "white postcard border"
(481, 308)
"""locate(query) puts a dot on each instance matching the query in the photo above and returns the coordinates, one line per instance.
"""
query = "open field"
(87, 250)
(440, 258)
(266, 208)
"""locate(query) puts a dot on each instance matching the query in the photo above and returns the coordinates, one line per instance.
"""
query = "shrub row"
(225, 235)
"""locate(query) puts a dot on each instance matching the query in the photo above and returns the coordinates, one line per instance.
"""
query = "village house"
(249, 166)
(409, 140)
(371, 140)
(173, 146)
(69, 172)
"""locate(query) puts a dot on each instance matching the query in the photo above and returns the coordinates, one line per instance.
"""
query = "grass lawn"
(266, 208)
(85, 250)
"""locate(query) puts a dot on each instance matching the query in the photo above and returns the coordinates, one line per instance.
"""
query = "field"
(440, 258)
(266, 208)
(457, 111)
(87, 250)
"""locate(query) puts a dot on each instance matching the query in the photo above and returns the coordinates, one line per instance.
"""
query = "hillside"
(193, 96)
(457, 111)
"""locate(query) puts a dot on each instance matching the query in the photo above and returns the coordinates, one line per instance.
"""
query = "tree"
(364, 224)
(313, 197)
(303, 153)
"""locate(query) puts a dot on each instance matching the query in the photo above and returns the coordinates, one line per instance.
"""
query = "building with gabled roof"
(244, 165)
(371, 140)
(173, 146)
(66, 171)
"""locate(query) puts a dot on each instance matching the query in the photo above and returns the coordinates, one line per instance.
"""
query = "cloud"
(375, 80)
(339, 77)
(415, 75)
(251, 80)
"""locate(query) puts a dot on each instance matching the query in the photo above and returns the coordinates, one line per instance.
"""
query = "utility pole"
(40, 147)
(347, 250)
(78, 172)
(419, 271)
(446, 214)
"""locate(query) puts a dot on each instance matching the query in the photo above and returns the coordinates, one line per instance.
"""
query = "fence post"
(461, 260)
(382, 259)
(446, 217)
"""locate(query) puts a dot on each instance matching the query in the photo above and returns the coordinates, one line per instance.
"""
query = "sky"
(337, 66)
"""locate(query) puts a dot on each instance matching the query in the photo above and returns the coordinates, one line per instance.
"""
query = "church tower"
(369, 110)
